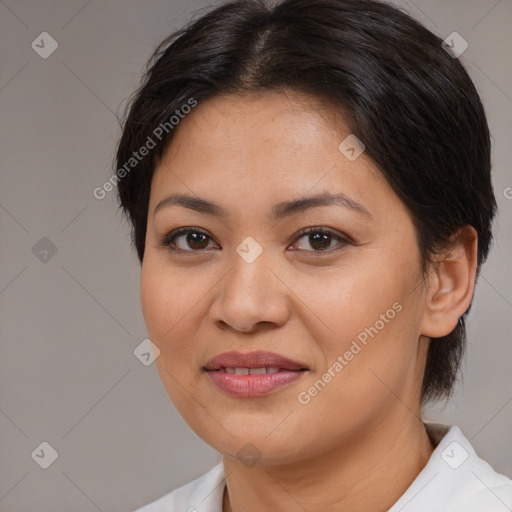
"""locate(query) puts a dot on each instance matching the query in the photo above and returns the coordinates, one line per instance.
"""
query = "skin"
(363, 430)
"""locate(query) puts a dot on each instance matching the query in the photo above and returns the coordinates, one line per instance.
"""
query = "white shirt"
(455, 479)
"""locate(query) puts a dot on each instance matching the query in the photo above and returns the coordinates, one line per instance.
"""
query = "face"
(335, 287)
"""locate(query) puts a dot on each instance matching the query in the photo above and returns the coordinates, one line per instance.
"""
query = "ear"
(451, 283)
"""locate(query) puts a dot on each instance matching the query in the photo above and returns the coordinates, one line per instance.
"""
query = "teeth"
(257, 371)
(251, 371)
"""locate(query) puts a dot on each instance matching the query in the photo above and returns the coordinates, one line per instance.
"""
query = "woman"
(310, 194)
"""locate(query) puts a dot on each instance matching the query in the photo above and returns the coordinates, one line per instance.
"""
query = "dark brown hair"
(411, 103)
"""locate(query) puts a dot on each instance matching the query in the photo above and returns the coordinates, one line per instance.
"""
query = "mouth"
(252, 371)
(253, 374)
(257, 360)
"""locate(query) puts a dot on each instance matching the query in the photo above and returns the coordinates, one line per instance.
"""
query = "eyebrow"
(279, 210)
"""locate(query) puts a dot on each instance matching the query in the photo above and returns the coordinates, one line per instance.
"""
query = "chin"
(252, 446)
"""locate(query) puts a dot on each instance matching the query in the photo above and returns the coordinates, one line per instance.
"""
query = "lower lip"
(253, 385)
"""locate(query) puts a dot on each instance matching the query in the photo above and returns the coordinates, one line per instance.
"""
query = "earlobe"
(451, 284)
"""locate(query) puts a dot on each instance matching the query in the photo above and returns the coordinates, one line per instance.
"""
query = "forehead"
(273, 145)
(284, 121)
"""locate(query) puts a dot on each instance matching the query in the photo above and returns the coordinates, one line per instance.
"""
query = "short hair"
(402, 93)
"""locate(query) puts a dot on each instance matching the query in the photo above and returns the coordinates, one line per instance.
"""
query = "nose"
(250, 297)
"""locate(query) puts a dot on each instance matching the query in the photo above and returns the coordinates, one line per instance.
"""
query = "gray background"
(69, 322)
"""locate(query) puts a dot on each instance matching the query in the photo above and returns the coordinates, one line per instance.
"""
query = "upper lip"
(257, 359)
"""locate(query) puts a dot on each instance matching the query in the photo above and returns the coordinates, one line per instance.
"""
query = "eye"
(194, 238)
(320, 240)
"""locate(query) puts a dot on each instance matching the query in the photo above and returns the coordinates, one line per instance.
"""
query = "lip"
(253, 385)
(257, 359)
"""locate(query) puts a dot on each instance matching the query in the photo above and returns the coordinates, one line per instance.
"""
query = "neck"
(368, 474)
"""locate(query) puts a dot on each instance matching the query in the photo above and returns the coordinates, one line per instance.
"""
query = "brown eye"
(191, 240)
(320, 240)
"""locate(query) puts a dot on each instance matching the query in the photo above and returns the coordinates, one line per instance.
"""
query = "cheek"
(367, 367)
(372, 318)
(173, 308)
(353, 303)
(163, 305)
(169, 316)
(165, 297)
(154, 297)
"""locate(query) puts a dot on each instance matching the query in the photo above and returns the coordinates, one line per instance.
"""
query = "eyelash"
(168, 240)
